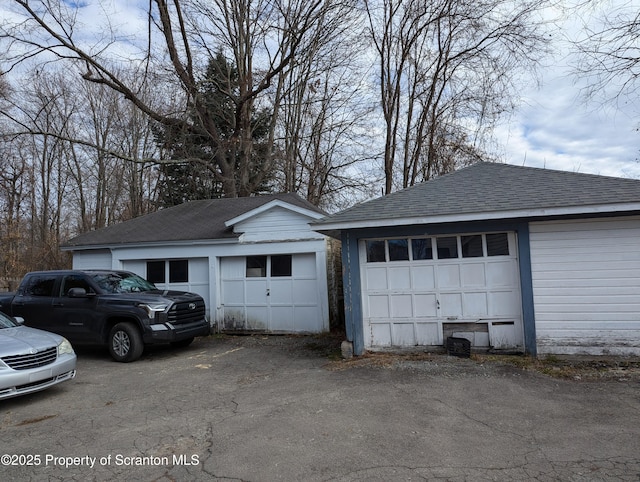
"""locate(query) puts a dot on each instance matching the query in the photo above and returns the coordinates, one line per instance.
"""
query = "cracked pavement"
(277, 408)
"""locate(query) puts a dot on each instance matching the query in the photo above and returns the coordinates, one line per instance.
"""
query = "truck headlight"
(65, 348)
(153, 308)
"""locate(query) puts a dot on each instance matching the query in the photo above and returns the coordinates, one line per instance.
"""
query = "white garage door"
(586, 286)
(273, 293)
(418, 291)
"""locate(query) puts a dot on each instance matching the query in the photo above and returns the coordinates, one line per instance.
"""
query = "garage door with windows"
(419, 290)
(273, 293)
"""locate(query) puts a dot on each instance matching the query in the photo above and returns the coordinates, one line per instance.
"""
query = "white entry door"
(271, 293)
(417, 291)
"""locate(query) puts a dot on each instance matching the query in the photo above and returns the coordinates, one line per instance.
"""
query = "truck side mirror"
(77, 293)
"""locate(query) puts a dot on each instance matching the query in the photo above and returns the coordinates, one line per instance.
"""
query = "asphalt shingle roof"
(194, 220)
(492, 188)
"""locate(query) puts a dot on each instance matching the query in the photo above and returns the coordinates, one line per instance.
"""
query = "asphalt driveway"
(283, 408)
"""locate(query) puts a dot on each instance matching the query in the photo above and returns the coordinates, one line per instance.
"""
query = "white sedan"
(31, 359)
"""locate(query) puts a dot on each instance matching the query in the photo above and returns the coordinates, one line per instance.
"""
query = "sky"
(553, 127)
(557, 127)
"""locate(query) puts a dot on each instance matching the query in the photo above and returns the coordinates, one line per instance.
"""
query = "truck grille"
(187, 312)
(24, 362)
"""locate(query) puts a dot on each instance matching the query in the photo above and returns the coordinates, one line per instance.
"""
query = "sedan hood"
(25, 340)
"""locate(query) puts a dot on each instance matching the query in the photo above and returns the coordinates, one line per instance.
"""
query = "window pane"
(281, 265)
(75, 281)
(498, 244)
(256, 266)
(471, 246)
(375, 252)
(421, 248)
(41, 286)
(447, 247)
(398, 250)
(155, 271)
(178, 271)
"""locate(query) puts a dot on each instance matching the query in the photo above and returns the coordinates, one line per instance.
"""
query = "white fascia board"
(194, 242)
(271, 205)
(484, 216)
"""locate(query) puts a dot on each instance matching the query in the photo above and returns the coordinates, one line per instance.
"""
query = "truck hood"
(23, 340)
(153, 296)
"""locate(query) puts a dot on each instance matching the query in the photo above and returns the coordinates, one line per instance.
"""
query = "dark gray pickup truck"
(118, 309)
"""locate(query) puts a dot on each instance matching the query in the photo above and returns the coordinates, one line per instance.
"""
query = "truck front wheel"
(125, 342)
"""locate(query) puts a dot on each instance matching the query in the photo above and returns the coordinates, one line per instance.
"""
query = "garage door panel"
(403, 334)
(233, 292)
(501, 274)
(376, 278)
(423, 277)
(305, 292)
(449, 276)
(256, 292)
(504, 303)
(379, 306)
(451, 304)
(425, 305)
(428, 334)
(255, 318)
(475, 305)
(232, 268)
(380, 334)
(400, 277)
(473, 275)
(307, 319)
(282, 318)
(304, 266)
(281, 292)
(503, 334)
(401, 306)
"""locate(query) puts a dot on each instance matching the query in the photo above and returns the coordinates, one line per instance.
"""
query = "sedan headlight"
(65, 348)
(153, 308)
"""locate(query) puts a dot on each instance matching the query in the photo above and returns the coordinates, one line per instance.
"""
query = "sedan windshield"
(6, 322)
(122, 282)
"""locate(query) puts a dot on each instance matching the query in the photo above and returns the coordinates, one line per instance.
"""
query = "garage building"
(254, 260)
(511, 258)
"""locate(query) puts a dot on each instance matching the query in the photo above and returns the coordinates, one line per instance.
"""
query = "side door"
(34, 301)
(76, 317)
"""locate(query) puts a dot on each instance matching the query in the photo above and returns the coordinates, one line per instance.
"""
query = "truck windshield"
(122, 282)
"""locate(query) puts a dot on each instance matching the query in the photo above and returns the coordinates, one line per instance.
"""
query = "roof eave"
(333, 228)
(149, 244)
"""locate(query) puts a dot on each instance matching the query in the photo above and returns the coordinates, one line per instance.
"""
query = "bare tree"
(250, 31)
(323, 133)
(444, 77)
(14, 193)
(609, 49)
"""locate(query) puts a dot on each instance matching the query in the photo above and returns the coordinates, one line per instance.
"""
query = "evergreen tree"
(194, 173)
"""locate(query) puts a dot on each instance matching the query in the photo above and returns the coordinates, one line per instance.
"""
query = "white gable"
(278, 223)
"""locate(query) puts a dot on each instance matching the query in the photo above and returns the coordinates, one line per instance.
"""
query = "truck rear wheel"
(125, 342)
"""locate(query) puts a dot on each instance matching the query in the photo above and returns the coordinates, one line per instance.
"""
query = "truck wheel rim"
(121, 343)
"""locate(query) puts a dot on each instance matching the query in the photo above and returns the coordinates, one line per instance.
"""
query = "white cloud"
(558, 128)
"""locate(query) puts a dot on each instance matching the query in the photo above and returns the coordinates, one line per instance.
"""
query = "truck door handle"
(59, 303)
(268, 292)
